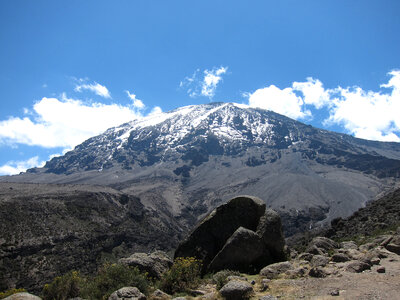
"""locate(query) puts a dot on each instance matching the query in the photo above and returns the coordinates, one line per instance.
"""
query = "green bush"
(112, 277)
(221, 278)
(63, 287)
(183, 275)
(10, 292)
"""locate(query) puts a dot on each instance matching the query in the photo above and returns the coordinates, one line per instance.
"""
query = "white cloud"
(368, 114)
(205, 83)
(64, 123)
(313, 92)
(16, 167)
(365, 114)
(95, 87)
(284, 102)
(211, 80)
(136, 102)
(156, 110)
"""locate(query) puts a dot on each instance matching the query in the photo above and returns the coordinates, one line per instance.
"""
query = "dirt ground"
(366, 285)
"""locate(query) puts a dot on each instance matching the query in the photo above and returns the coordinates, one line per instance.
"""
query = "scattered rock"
(159, 295)
(393, 248)
(305, 256)
(335, 292)
(265, 284)
(236, 290)
(179, 298)
(381, 269)
(323, 243)
(253, 282)
(348, 245)
(127, 293)
(22, 296)
(235, 277)
(357, 266)
(319, 261)
(315, 250)
(317, 272)
(375, 261)
(155, 264)
(340, 257)
(298, 272)
(268, 297)
(272, 271)
(366, 247)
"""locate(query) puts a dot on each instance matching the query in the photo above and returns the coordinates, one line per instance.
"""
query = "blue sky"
(70, 69)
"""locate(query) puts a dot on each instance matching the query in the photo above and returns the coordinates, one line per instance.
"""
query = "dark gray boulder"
(340, 257)
(238, 235)
(236, 290)
(270, 230)
(319, 261)
(242, 252)
(155, 263)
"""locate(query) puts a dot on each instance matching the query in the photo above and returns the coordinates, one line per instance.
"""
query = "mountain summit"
(189, 160)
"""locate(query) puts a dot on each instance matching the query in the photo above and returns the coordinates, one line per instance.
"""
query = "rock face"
(155, 264)
(127, 293)
(235, 236)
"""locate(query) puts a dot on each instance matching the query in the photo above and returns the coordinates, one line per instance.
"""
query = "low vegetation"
(108, 279)
(183, 275)
(10, 292)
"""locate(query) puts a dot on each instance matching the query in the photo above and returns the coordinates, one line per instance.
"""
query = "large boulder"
(155, 264)
(240, 252)
(239, 235)
(274, 270)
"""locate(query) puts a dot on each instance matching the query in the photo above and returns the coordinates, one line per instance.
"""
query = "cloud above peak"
(365, 114)
(94, 87)
(203, 83)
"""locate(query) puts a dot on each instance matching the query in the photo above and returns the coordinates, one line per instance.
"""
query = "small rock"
(272, 271)
(386, 241)
(179, 298)
(393, 248)
(366, 247)
(381, 269)
(127, 293)
(159, 295)
(22, 296)
(315, 250)
(236, 290)
(305, 256)
(317, 272)
(339, 257)
(296, 273)
(357, 266)
(375, 261)
(234, 277)
(323, 243)
(335, 292)
(253, 282)
(265, 284)
(268, 297)
(319, 261)
(348, 245)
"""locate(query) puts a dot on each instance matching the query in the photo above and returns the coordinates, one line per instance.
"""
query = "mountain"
(174, 168)
(187, 161)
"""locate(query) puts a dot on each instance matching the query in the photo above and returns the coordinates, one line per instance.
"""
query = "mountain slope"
(189, 160)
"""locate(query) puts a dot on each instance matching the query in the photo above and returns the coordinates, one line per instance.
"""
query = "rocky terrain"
(47, 230)
(143, 185)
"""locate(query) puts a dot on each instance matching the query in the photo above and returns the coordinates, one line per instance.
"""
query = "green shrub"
(221, 278)
(183, 275)
(63, 287)
(11, 292)
(112, 277)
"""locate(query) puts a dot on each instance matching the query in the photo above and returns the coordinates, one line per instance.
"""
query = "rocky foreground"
(323, 269)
